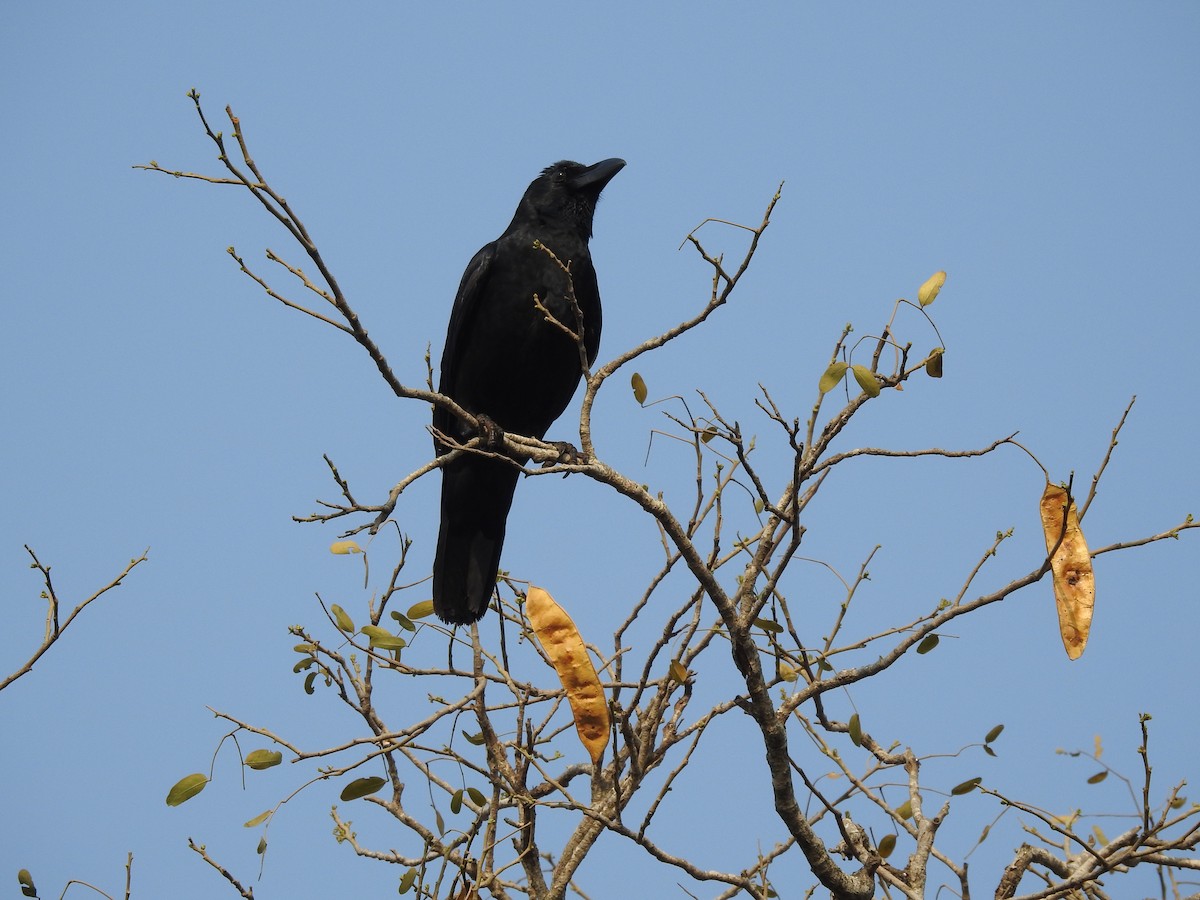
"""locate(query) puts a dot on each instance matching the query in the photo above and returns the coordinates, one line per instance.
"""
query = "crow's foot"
(568, 455)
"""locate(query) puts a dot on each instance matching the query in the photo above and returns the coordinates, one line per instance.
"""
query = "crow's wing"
(463, 316)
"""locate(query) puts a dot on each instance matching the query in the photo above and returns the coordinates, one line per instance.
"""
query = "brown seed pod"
(561, 640)
(1071, 567)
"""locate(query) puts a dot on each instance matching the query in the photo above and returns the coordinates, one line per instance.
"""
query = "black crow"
(504, 362)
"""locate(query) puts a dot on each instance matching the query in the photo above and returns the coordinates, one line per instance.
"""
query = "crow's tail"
(476, 495)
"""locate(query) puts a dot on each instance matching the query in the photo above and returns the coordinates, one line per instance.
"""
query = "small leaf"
(1100, 835)
(788, 672)
(304, 648)
(887, 845)
(406, 881)
(263, 759)
(456, 802)
(1178, 802)
(308, 682)
(258, 820)
(476, 739)
(362, 787)
(966, 787)
(343, 547)
(769, 626)
(988, 750)
(677, 672)
(26, 882)
(856, 730)
(904, 810)
(993, 734)
(421, 610)
(441, 823)
(707, 435)
(1097, 778)
(342, 619)
(931, 641)
(186, 788)
(303, 664)
(639, 388)
(928, 292)
(262, 845)
(933, 364)
(391, 642)
(477, 797)
(403, 621)
(832, 377)
(867, 380)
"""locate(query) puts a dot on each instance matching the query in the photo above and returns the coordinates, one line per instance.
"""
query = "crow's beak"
(597, 176)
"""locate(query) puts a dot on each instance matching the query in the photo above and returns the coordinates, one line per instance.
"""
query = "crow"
(506, 364)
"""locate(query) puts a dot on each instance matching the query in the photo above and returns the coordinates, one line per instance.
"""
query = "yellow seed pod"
(561, 640)
(1071, 568)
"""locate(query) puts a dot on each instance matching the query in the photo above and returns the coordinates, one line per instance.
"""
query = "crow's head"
(565, 194)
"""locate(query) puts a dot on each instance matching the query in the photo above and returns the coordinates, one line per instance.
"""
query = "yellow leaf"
(186, 788)
(563, 644)
(928, 292)
(867, 380)
(342, 619)
(639, 388)
(420, 610)
(832, 377)
(1071, 568)
(344, 547)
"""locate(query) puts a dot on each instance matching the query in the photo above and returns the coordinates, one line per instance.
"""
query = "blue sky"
(1044, 155)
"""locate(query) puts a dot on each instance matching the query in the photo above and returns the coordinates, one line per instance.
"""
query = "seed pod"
(1071, 567)
(561, 640)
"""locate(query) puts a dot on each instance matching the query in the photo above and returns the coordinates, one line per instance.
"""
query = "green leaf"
(406, 881)
(904, 810)
(476, 739)
(303, 664)
(769, 626)
(403, 621)
(342, 620)
(477, 797)
(262, 845)
(391, 642)
(931, 641)
(832, 377)
(887, 845)
(456, 802)
(258, 820)
(988, 750)
(867, 380)
(965, 787)
(933, 364)
(1097, 778)
(362, 787)
(308, 682)
(856, 730)
(375, 631)
(677, 672)
(304, 648)
(707, 434)
(26, 882)
(993, 734)
(263, 759)
(186, 788)
(639, 388)
(421, 610)
(788, 672)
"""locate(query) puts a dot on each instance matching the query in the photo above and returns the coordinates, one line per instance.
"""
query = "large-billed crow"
(504, 361)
